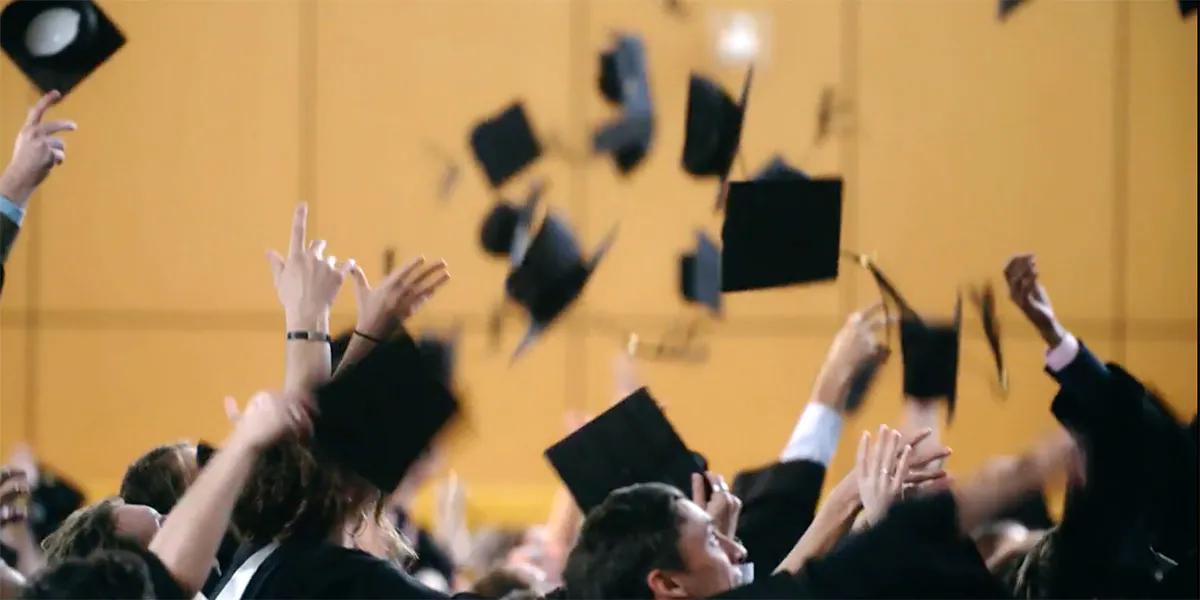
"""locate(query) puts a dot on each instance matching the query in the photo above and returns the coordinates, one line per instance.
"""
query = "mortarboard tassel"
(985, 300)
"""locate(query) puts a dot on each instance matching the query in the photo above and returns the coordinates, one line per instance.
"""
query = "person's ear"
(664, 585)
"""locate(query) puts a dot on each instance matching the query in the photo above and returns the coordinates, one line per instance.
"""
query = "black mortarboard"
(714, 127)
(551, 275)
(781, 232)
(930, 353)
(1007, 6)
(778, 169)
(379, 414)
(439, 354)
(631, 442)
(505, 230)
(623, 80)
(700, 274)
(1187, 7)
(54, 67)
(505, 144)
(204, 453)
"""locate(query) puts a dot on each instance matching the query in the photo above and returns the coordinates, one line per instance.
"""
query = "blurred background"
(138, 293)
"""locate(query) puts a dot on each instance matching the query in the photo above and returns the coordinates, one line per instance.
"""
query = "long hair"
(296, 495)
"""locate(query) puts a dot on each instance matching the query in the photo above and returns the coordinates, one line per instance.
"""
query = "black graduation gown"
(300, 570)
(1136, 455)
(778, 504)
(916, 552)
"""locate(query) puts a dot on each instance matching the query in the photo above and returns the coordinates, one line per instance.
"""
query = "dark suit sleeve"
(1134, 450)
(778, 503)
(8, 235)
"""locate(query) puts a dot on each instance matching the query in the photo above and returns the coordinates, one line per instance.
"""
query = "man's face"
(710, 559)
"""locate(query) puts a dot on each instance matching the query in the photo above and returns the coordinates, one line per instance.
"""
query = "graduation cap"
(505, 144)
(778, 169)
(551, 275)
(1007, 6)
(380, 414)
(505, 229)
(58, 43)
(781, 232)
(713, 128)
(631, 442)
(1187, 7)
(439, 353)
(931, 350)
(700, 274)
(623, 80)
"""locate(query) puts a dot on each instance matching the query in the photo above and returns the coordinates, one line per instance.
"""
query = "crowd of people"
(309, 496)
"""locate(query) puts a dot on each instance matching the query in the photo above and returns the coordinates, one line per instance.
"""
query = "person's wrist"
(308, 320)
(1053, 333)
(242, 442)
(378, 328)
(15, 192)
(831, 383)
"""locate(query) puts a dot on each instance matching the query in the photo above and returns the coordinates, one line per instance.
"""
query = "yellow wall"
(137, 296)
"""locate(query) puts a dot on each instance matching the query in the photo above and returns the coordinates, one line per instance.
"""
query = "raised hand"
(14, 496)
(722, 506)
(1021, 274)
(307, 281)
(856, 345)
(402, 293)
(37, 150)
(271, 416)
(884, 469)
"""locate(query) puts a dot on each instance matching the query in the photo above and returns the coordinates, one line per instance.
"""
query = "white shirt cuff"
(1058, 357)
(816, 435)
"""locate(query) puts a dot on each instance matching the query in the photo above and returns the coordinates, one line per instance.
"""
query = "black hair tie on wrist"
(369, 338)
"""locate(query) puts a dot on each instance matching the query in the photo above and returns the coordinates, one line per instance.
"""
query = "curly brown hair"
(159, 477)
(87, 530)
(296, 495)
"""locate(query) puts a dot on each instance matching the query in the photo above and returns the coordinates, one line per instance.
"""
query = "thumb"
(275, 261)
(361, 286)
(231, 409)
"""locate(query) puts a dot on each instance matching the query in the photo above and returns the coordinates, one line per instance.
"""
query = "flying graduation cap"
(624, 81)
(550, 274)
(931, 350)
(700, 274)
(505, 230)
(378, 416)
(58, 43)
(631, 442)
(505, 144)
(1006, 7)
(781, 229)
(713, 128)
(440, 352)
